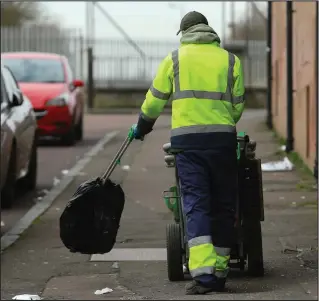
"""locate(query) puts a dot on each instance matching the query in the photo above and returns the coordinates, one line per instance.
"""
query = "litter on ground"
(115, 265)
(103, 291)
(282, 148)
(283, 165)
(126, 167)
(56, 181)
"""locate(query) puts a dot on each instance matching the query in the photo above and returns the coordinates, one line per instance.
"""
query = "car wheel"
(29, 182)
(8, 191)
(69, 139)
(79, 129)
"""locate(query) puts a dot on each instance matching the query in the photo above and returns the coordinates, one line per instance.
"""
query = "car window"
(35, 70)
(69, 72)
(9, 82)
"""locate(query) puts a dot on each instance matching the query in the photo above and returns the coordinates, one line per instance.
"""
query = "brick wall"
(304, 76)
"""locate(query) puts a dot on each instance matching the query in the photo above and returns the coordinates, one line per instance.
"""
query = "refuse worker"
(205, 83)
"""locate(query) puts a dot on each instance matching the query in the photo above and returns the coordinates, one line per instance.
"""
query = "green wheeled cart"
(247, 251)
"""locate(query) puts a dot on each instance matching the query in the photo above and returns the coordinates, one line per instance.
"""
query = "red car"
(57, 98)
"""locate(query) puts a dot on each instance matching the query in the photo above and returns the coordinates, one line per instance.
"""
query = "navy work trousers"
(208, 181)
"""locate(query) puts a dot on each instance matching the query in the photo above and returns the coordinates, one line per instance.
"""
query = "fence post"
(81, 55)
(90, 79)
(269, 66)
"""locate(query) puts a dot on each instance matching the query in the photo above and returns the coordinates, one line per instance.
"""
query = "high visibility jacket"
(206, 86)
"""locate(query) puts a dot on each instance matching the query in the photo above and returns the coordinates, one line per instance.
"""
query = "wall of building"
(304, 76)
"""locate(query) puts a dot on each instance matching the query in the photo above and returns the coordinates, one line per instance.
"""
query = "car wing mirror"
(77, 83)
(17, 99)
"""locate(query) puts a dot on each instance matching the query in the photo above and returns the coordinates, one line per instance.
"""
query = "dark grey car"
(18, 140)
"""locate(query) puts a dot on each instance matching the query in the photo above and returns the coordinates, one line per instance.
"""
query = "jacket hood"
(199, 34)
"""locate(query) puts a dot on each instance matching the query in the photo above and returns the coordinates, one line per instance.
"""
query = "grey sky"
(141, 20)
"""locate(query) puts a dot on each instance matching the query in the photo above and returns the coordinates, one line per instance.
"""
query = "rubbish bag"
(91, 219)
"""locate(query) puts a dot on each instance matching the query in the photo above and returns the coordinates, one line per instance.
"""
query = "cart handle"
(118, 156)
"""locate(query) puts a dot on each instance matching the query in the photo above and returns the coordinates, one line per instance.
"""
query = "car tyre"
(29, 182)
(8, 191)
(79, 129)
(69, 139)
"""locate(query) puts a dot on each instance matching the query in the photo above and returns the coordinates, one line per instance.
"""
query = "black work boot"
(196, 288)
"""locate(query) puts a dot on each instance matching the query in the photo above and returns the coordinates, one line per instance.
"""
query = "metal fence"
(115, 61)
(119, 64)
(37, 38)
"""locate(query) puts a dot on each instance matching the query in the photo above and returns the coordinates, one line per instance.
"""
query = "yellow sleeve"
(238, 91)
(160, 90)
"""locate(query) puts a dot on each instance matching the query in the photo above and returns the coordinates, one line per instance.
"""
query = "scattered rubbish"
(115, 265)
(288, 250)
(126, 167)
(303, 197)
(45, 262)
(144, 169)
(65, 172)
(126, 240)
(2, 224)
(105, 290)
(283, 165)
(39, 198)
(44, 191)
(293, 204)
(57, 209)
(282, 148)
(56, 181)
(26, 297)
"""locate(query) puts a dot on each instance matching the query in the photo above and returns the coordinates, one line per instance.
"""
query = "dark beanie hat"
(190, 19)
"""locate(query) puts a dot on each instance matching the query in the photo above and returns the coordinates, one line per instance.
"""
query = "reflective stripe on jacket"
(205, 84)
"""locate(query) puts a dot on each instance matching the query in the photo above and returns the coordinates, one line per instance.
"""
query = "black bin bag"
(91, 219)
(90, 222)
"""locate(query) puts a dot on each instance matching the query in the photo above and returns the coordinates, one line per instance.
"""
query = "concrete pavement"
(39, 264)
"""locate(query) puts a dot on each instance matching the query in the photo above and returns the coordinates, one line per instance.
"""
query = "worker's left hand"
(136, 133)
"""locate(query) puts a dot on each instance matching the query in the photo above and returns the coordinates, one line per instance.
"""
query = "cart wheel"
(174, 253)
(254, 248)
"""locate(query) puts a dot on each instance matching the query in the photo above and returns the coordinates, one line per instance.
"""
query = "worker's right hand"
(136, 133)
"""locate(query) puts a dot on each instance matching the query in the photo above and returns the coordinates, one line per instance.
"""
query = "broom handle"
(118, 156)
